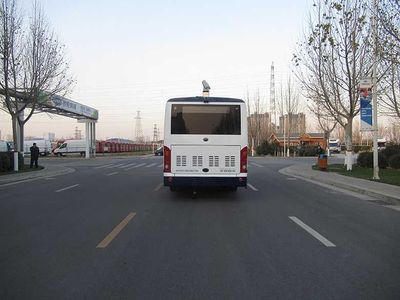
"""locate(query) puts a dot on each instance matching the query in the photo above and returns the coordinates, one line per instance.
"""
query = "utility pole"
(155, 134)
(374, 90)
(138, 128)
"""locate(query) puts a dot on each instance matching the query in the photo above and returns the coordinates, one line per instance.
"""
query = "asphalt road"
(111, 231)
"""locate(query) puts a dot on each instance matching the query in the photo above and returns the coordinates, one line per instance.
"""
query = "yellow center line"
(109, 238)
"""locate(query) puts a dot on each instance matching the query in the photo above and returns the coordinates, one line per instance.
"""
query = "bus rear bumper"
(189, 182)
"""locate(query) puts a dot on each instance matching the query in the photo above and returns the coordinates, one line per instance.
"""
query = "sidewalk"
(375, 189)
(48, 171)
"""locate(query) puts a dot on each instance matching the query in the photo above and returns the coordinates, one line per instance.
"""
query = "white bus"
(205, 143)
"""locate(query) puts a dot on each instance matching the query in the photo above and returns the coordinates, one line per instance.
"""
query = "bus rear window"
(205, 119)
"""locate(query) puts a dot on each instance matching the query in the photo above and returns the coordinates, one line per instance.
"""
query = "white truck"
(334, 146)
(43, 144)
(71, 146)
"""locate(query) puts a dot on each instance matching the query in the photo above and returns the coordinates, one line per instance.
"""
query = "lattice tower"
(138, 128)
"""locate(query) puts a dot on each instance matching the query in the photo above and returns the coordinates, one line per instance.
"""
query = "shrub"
(308, 151)
(7, 161)
(266, 148)
(366, 160)
(394, 161)
(361, 148)
(391, 150)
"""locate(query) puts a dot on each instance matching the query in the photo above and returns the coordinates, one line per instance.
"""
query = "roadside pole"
(374, 93)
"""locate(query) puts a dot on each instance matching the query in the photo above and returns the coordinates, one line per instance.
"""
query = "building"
(297, 139)
(292, 123)
(259, 127)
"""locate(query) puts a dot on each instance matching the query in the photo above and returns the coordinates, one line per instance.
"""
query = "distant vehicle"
(205, 143)
(44, 146)
(334, 146)
(159, 151)
(71, 146)
(381, 144)
(4, 146)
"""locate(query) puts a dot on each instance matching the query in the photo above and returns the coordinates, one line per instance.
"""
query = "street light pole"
(374, 91)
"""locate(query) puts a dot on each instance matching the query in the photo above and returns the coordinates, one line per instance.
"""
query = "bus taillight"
(243, 160)
(167, 159)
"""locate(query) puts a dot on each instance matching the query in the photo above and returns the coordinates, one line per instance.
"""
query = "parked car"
(159, 151)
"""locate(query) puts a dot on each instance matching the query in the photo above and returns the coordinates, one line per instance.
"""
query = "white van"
(205, 143)
(43, 145)
(71, 146)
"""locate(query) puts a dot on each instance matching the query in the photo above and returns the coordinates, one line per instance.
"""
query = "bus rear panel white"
(205, 143)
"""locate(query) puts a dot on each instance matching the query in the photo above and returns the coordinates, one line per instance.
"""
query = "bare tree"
(289, 104)
(258, 123)
(389, 33)
(325, 121)
(332, 58)
(33, 64)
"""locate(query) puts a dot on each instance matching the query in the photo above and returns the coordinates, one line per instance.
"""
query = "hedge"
(7, 161)
(394, 161)
(366, 160)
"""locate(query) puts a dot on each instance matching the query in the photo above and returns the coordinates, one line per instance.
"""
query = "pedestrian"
(34, 155)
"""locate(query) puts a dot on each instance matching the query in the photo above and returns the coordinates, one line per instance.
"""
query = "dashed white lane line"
(150, 165)
(104, 166)
(252, 187)
(311, 231)
(139, 165)
(158, 187)
(67, 188)
(111, 174)
(257, 165)
(160, 165)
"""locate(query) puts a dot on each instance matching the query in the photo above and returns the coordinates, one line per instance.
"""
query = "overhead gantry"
(62, 106)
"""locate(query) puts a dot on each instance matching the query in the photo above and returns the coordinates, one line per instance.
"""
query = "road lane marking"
(114, 166)
(139, 165)
(67, 188)
(104, 166)
(158, 187)
(111, 174)
(311, 231)
(150, 165)
(252, 187)
(126, 166)
(160, 165)
(109, 238)
(257, 165)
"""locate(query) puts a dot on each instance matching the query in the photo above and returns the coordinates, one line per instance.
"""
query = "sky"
(129, 56)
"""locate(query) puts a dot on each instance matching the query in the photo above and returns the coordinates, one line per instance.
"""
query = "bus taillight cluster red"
(243, 160)
(167, 159)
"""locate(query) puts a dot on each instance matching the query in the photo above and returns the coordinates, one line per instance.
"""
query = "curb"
(37, 175)
(390, 199)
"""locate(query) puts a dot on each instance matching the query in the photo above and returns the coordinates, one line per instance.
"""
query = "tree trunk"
(348, 128)
(15, 139)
